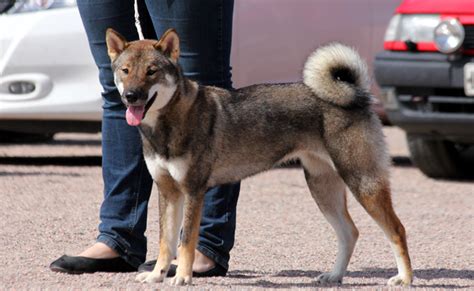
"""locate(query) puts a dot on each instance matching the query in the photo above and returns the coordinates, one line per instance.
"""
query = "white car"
(49, 82)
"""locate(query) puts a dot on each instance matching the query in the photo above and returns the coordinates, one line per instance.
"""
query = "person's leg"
(127, 183)
(205, 31)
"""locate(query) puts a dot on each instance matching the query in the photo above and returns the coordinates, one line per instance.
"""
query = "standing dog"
(195, 137)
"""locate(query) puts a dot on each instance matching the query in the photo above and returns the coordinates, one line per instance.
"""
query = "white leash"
(137, 20)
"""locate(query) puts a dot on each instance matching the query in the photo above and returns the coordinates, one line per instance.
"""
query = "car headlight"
(412, 27)
(449, 35)
(37, 5)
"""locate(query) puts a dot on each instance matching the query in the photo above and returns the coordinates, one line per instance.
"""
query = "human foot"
(203, 266)
(99, 251)
(97, 258)
(201, 263)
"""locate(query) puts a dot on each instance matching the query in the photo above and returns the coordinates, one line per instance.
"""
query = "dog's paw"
(399, 281)
(150, 277)
(329, 278)
(180, 280)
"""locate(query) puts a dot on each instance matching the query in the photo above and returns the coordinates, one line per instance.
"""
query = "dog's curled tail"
(337, 74)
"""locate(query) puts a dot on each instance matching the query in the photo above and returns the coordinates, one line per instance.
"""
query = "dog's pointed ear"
(169, 44)
(116, 43)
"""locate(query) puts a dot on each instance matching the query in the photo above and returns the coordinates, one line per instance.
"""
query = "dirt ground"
(50, 196)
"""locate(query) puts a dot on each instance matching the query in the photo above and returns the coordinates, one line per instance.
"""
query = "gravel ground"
(51, 193)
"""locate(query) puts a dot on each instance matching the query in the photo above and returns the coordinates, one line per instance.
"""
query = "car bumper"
(424, 94)
(407, 69)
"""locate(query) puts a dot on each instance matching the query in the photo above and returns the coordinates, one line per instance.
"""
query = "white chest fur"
(176, 167)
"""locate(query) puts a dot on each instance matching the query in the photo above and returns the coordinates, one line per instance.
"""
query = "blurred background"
(419, 52)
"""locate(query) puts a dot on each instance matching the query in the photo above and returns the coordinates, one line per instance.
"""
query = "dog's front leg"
(171, 215)
(193, 203)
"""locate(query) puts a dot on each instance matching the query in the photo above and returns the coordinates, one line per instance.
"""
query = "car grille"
(440, 100)
(469, 37)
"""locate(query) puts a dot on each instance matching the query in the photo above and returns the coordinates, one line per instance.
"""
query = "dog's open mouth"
(135, 114)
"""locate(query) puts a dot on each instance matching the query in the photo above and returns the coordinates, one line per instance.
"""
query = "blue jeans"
(205, 29)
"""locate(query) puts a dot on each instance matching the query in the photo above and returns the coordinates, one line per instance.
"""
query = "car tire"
(437, 158)
(21, 137)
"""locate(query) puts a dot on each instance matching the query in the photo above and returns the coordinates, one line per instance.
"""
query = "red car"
(426, 74)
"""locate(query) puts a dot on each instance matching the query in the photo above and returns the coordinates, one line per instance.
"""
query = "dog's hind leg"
(361, 160)
(171, 215)
(379, 205)
(328, 190)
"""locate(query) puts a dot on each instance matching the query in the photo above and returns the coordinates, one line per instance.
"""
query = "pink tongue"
(134, 115)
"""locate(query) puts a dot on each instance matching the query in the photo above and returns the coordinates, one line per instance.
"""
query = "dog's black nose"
(131, 96)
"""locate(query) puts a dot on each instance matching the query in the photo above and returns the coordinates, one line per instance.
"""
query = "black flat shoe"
(80, 265)
(217, 271)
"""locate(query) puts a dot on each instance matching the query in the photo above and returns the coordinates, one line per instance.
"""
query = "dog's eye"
(150, 72)
(125, 70)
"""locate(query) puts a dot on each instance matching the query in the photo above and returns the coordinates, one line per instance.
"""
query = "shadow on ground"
(401, 161)
(96, 161)
(52, 161)
(37, 173)
(425, 274)
(397, 161)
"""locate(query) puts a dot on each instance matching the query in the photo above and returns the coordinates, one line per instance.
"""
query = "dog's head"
(145, 71)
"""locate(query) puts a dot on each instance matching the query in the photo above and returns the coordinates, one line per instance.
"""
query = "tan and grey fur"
(200, 136)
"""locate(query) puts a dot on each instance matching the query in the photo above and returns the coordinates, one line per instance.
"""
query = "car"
(426, 75)
(49, 82)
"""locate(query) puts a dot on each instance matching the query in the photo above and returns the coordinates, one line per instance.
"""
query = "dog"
(195, 137)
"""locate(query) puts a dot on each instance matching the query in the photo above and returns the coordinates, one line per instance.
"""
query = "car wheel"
(438, 158)
(21, 137)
